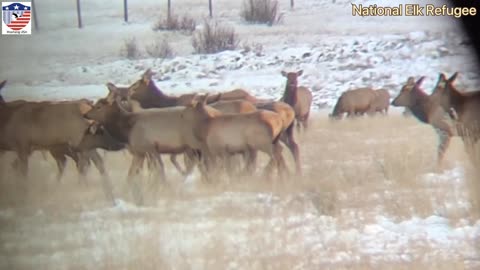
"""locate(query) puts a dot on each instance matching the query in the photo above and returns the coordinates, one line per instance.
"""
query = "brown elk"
(354, 102)
(426, 108)
(149, 95)
(97, 139)
(148, 133)
(222, 135)
(466, 106)
(381, 102)
(299, 97)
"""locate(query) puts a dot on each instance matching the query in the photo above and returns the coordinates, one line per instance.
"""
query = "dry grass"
(261, 11)
(130, 49)
(362, 166)
(214, 37)
(185, 24)
(160, 48)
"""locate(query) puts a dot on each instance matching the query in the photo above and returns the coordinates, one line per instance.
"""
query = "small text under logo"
(16, 18)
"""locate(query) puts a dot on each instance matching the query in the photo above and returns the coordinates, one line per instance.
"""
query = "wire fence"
(80, 23)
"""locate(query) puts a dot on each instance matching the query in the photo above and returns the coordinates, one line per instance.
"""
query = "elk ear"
(147, 76)
(441, 83)
(112, 93)
(112, 88)
(205, 98)
(419, 82)
(2, 84)
(284, 74)
(411, 80)
(300, 72)
(450, 80)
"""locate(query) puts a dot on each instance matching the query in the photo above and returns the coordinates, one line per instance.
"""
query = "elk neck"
(290, 94)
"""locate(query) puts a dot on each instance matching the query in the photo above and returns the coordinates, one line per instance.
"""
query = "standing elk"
(222, 135)
(465, 105)
(97, 139)
(148, 133)
(58, 127)
(426, 108)
(148, 95)
(299, 97)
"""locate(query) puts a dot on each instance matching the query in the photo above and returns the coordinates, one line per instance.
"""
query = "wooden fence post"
(34, 14)
(210, 11)
(79, 14)
(125, 10)
(169, 10)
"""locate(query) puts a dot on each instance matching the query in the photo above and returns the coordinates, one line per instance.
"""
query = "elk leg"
(305, 121)
(267, 172)
(161, 166)
(61, 161)
(250, 157)
(106, 183)
(288, 138)
(190, 158)
(135, 166)
(280, 161)
(83, 162)
(97, 161)
(173, 159)
(23, 156)
(444, 141)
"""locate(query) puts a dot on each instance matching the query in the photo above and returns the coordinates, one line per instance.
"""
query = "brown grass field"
(354, 171)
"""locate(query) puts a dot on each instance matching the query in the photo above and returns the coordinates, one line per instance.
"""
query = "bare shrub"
(160, 48)
(214, 38)
(176, 23)
(130, 49)
(261, 11)
(256, 48)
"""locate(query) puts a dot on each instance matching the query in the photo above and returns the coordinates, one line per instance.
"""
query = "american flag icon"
(16, 15)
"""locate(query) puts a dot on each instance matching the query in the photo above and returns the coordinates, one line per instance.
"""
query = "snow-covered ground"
(377, 224)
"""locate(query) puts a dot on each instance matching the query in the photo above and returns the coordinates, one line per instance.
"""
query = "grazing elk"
(354, 102)
(299, 97)
(426, 108)
(466, 108)
(381, 102)
(221, 135)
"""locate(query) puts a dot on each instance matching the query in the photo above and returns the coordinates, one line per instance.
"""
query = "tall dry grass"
(362, 166)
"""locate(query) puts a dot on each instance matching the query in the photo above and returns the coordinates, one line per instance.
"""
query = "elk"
(60, 152)
(466, 108)
(354, 102)
(426, 108)
(381, 101)
(221, 135)
(299, 97)
(148, 133)
(149, 95)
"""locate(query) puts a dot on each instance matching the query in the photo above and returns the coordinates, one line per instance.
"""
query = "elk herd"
(211, 131)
